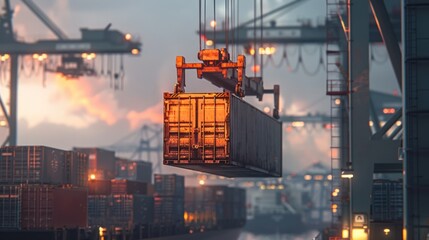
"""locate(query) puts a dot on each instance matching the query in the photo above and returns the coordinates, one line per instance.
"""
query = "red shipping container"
(46, 207)
(99, 187)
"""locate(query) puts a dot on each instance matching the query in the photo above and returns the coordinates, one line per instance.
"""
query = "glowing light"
(386, 231)
(371, 123)
(4, 57)
(84, 55)
(345, 174)
(307, 177)
(267, 109)
(337, 190)
(185, 216)
(252, 51)
(334, 206)
(389, 110)
(398, 123)
(128, 37)
(92, 177)
(318, 177)
(298, 124)
(337, 101)
(280, 187)
(202, 182)
(135, 51)
(334, 194)
(334, 210)
(3, 123)
(345, 233)
(209, 42)
(35, 56)
(359, 233)
(256, 68)
(213, 24)
(329, 177)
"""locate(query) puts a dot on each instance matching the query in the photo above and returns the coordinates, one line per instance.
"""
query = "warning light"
(135, 51)
(389, 110)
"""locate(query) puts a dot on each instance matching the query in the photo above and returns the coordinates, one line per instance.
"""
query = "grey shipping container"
(76, 168)
(10, 207)
(32, 164)
(98, 210)
(169, 210)
(169, 185)
(221, 134)
(101, 162)
(387, 200)
(128, 210)
(134, 170)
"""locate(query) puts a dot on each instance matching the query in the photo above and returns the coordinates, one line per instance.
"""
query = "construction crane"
(92, 41)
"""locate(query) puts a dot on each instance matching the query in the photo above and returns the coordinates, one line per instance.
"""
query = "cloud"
(149, 115)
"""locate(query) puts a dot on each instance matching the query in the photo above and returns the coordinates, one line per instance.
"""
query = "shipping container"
(214, 207)
(10, 207)
(128, 210)
(387, 200)
(125, 186)
(169, 185)
(48, 207)
(168, 210)
(221, 134)
(134, 170)
(98, 210)
(99, 187)
(32, 164)
(101, 162)
(76, 168)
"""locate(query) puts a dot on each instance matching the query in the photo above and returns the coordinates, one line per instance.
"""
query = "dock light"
(345, 233)
(267, 109)
(329, 177)
(209, 42)
(202, 182)
(347, 174)
(256, 68)
(337, 101)
(135, 51)
(307, 177)
(213, 24)
(5, 57)
(92, 177)
(128, 37)
(389, 110)
(386, 231)
(252, 51)
(298, 124)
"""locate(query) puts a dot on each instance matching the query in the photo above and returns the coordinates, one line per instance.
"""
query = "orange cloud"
(150, 115)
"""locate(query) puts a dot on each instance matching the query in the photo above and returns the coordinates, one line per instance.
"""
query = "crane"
(92, 41)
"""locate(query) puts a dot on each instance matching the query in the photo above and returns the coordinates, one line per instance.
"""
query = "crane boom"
(45, 19)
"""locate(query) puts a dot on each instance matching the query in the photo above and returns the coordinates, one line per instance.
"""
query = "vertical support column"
(416, 118)
(360, 156)
(13, 112)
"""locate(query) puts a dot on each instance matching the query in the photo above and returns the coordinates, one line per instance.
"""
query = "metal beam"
(45, 19)
(395, 117)
(374, 117)
(13, 100)
(387, 32)
(361, 159)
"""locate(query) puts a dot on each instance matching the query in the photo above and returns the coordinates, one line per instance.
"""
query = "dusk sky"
(87, 112)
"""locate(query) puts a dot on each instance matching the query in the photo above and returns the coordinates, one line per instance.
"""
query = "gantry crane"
(92, 41)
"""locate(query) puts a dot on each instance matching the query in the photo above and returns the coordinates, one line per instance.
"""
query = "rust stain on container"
(220, 134)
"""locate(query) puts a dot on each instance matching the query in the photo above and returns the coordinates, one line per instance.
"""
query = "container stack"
(214, 207)
(101, 163)
(387, 200)
(134, 170)
(124, 202)
(169, 201)
(42, 188)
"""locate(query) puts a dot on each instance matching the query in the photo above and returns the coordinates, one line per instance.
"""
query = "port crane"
(92, 41)
(217, 68)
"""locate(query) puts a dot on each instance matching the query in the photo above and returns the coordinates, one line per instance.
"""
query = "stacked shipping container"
(214, 207)
(42, 188)
(101, 162)
(387, 200)
(169, 200)
(134, 170)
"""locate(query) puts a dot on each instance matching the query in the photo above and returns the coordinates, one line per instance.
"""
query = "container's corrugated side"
(255, 138)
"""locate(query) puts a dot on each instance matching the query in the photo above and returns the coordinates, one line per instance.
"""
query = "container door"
(212, 139)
